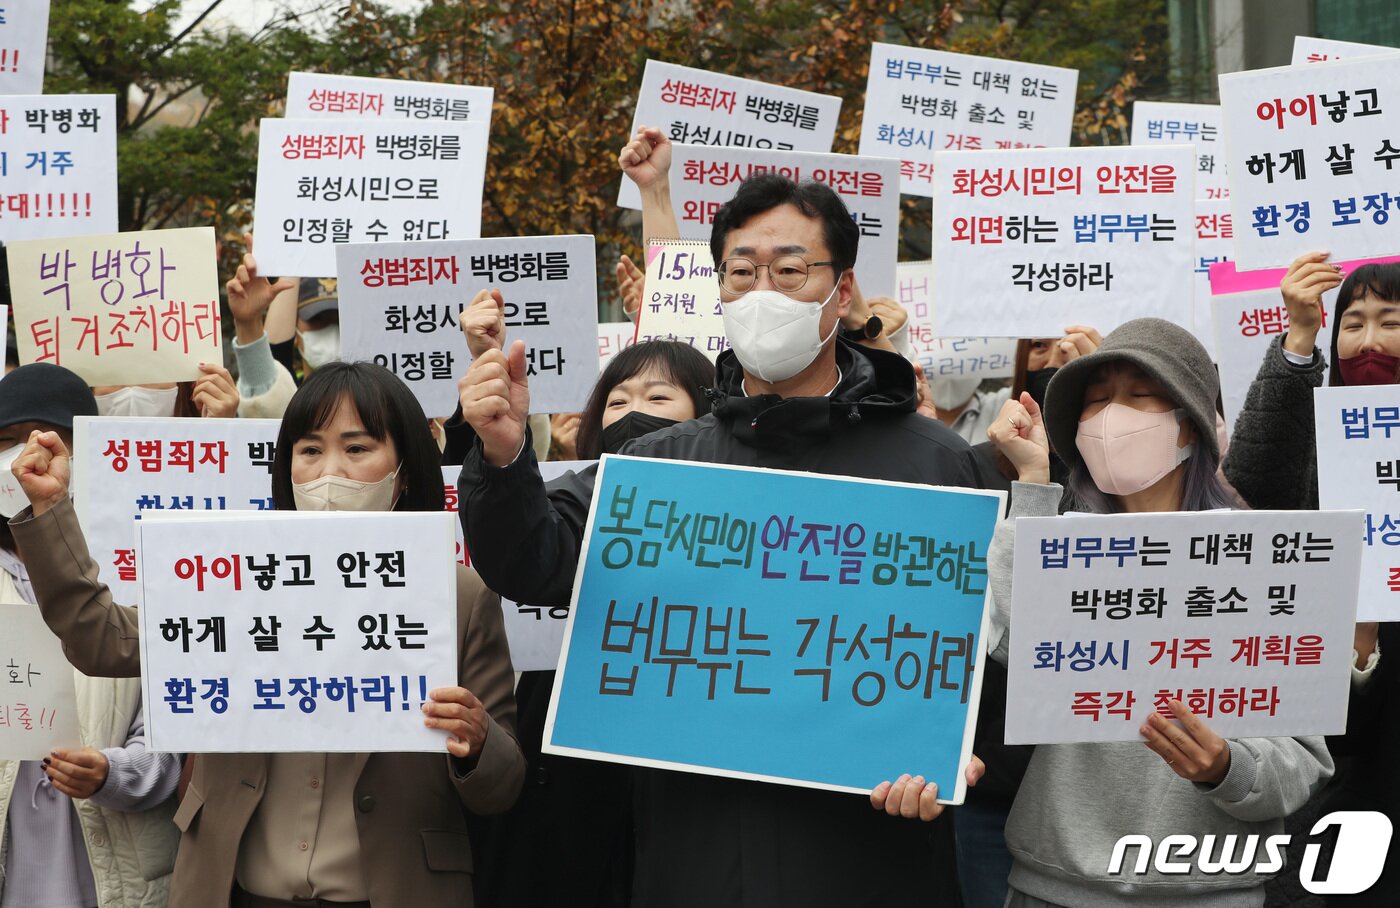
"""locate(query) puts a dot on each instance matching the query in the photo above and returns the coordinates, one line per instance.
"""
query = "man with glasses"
(792, 393)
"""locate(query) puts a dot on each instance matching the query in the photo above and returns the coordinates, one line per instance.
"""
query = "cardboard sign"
(1321, 50)
(956, 357)
(38, 705)
(58, 165)
(681, 297)
(24, 37)
(920, 101)
(119, 309)
(1171, 123)
(312, 95)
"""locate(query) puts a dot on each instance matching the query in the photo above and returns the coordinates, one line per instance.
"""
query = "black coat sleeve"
(523, 536)
(1272, 461)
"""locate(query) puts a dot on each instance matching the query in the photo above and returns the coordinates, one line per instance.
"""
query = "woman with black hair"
(262, 830)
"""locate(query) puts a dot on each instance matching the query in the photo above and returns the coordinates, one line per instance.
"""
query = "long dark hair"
(681, 364)
(386, 408)
(1380, 281)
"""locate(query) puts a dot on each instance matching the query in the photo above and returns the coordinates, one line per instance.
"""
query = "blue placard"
(775, 625)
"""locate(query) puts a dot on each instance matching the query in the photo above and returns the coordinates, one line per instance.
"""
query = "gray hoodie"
(1077, 800)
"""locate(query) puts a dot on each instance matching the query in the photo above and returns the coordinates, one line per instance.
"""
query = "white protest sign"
(399, 305)
(703, 179)
(1246, 617)
(287, 632)
(121, 308)
(960, 357)
(24, 33)
(681, 297)
(1358, 466)
(58, 165)
(1031, 241)
(329, 182)
(613, 338)
(534, 632)
(1310, 154)
(132, 466)
(38, 706)
(1215, 234)
(1320, 50)
(920, 101)
(312, 95)
(1172, 123)
(698, 107)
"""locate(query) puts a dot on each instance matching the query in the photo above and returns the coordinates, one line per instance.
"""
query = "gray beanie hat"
(1165, 351)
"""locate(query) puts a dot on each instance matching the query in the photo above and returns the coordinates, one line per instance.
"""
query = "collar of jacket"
(874, 384)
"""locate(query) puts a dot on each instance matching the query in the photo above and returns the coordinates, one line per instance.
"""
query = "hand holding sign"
(458, 712)
(484, 322)
(495, 398)
(1307, 279)
(647, 158)
(249, 295)
(917, 797)
(43, 470)
(1019, 434)
(79, 773)
(1191, 749)
(215, 394)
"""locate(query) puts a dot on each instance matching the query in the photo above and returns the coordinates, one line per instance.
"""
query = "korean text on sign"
(1246, 617)
(703, 179)
(681, 297)
(920, 101)
(312, 95)
(1320, 50)
(295, 632)
(400, 303)
(1313, 154)
(327, 182)
(948, 357)
(38, 707)
(1164, 123)
(24, 28)
(58, 166)
(698, 107)
(761, 624)
(119, 309)
(1044, 238)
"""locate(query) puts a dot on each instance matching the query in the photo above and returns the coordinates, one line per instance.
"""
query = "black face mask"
(1037, 382)
(633, 425)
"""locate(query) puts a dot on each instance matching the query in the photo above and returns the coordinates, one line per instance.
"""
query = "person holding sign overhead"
(1135, 424)
(266, 831)
(790, 394)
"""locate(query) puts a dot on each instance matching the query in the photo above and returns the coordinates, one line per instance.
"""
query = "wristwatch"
(872, 329)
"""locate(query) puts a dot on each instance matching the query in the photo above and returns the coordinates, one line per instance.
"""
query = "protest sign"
(251, 622)
(38, 706)
(699, 107)
(400, 303)
(777, 626)
(703, 179)
(1215, 233)
(121, 308)
(311, 95)
(960, 357)
(323, 183)
(1357, 431)
(1246, 617)
(24, 34)
(1309, 156)
(920, 101)
(534, 632)
(1321, 50)
(1172, 123)
(613, 338)
(1031, 241)
(131, 466)
(681, 297)
(58, 165)
(1248, 313)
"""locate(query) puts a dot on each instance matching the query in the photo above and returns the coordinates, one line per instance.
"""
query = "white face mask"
(321, 346)
(12, 497)
(773, 335)
(133, 400)
(336, 493)
(951, 392)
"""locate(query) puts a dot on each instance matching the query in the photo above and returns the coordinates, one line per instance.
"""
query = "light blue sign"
(812, 630)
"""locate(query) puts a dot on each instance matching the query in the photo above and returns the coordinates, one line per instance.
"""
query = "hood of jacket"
(875, 384)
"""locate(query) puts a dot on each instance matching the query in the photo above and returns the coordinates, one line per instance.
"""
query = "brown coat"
(410, 808)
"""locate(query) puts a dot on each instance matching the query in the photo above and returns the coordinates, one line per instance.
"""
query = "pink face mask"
(1127, 450)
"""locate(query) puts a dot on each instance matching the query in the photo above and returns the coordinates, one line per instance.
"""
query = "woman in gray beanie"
(1135, 424)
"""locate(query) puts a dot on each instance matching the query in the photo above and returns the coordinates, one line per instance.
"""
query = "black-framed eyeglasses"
(787, 272)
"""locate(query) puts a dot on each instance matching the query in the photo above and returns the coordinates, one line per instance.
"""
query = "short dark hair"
(683, 365)
(386, 408)
(1380, 281)
(766, 191)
